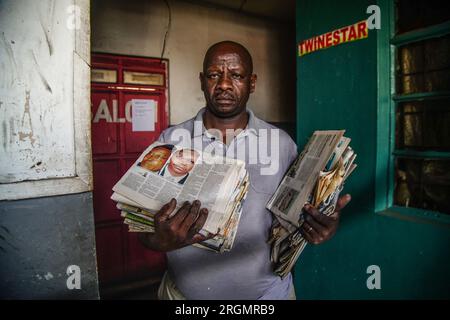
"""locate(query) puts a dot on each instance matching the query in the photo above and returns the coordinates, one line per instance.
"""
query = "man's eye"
(213, 76)
(237, 76)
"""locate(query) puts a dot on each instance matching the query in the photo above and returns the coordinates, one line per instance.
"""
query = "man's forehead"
(230, 59)
(229, 54)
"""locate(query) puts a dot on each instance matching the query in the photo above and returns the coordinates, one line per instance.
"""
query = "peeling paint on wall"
(37, 94)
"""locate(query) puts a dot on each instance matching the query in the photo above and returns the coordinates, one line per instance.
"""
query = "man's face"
(155, 159)
(182, 162)
(227, 82)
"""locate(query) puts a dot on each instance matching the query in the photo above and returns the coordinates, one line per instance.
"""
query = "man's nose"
(224, 82)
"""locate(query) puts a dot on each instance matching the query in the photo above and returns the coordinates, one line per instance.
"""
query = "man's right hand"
(179, 230)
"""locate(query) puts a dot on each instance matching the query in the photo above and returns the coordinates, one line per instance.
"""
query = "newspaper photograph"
(165, 171)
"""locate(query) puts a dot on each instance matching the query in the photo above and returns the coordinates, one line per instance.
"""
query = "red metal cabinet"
(116, 80)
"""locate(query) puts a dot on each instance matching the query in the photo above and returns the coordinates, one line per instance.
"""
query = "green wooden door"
(337, 89)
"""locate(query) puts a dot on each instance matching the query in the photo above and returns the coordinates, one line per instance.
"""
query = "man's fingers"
(200, 238)
(309, 233)
(181, 213)
(313, 213)
(342, 202)
(198, 224)
(318, 227)
(190, 217)
(166, 210)
(306, 236)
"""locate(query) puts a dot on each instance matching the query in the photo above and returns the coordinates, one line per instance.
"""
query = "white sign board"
(143, 115)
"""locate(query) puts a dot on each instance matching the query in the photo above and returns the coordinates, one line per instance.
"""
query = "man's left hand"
(317, 227)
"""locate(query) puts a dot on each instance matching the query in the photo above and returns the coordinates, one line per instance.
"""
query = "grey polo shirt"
(246, 271)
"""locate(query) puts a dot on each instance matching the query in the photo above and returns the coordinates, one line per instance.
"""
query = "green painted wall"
(337, 89)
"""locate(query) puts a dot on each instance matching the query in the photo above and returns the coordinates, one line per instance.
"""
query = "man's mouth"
(178, 168)
(225, 100)
(224, 97)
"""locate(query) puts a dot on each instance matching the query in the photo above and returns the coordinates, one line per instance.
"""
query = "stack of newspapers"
(165, 171)
(316, 177)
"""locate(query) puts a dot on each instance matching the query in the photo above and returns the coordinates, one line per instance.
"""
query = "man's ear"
(253, 79)
(201, 77)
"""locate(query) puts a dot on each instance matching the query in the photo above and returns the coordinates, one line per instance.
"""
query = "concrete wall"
(40, 239)
(45, 150)
(138, 28)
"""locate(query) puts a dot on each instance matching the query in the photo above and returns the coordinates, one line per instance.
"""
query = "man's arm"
(177, 231)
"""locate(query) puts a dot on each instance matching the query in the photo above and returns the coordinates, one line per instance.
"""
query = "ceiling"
(281, 10)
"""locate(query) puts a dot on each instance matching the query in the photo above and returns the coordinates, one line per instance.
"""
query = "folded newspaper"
(165, 171)
(316, 177)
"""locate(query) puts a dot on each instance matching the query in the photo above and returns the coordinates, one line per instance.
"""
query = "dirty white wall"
(36, 93)
(138, 28)
(44, 97)
(45, 150)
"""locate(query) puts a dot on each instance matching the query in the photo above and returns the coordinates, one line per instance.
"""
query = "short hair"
(165, 146)
(190, 150)
(244, 53)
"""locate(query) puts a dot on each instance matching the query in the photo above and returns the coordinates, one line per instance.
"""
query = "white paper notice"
(143, 115)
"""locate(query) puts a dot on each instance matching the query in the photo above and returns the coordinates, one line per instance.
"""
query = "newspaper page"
(119, 198)
(299, 182)
(165, 171)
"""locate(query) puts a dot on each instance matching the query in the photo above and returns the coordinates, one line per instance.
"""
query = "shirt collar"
(253, 125)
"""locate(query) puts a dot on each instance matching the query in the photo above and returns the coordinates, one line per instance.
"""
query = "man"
(156, 158)
(246, 271)
(179, 166)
